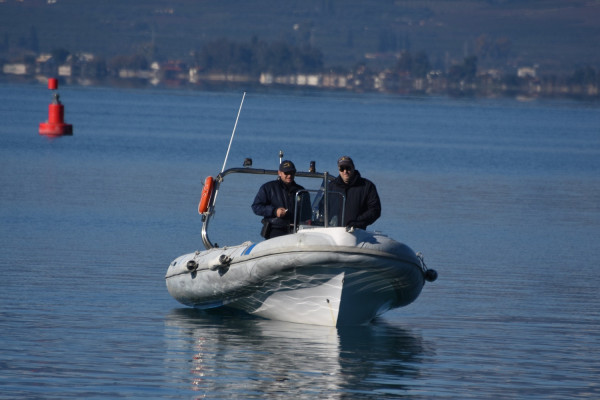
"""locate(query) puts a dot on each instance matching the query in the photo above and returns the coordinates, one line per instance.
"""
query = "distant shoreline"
(531, 92)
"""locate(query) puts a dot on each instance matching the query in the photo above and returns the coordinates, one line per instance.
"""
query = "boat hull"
(321, 276)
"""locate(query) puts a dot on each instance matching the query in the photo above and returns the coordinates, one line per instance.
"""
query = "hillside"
(557, 35)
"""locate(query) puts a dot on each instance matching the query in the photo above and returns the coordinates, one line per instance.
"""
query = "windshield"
(235, 222)
(311, 210)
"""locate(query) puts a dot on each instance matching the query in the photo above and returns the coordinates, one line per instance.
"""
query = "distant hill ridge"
(557, 35)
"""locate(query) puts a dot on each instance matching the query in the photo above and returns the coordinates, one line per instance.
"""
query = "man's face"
(286, 177)
(346, 173)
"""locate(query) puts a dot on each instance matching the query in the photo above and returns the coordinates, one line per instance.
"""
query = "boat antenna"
(280, 156)
(233, 133)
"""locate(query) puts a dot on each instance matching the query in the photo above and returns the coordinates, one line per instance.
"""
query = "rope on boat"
(422, 261)
(430, 274)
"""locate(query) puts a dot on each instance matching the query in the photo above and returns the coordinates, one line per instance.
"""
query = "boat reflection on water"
(249, 357)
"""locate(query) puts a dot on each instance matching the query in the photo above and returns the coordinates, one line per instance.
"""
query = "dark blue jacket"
(363, 206)
(273, 195)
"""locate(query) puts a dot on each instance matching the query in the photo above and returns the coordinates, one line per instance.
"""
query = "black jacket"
(363, 206)
(273, 195)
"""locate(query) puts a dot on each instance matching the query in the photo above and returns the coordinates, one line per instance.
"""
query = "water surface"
(502, 197)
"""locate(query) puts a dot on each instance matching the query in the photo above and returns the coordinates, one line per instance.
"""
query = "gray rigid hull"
(321, 276)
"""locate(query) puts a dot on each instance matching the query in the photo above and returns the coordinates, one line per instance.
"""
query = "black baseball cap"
(287, 166)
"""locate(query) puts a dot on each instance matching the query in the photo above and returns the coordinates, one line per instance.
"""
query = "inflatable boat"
(322, 273)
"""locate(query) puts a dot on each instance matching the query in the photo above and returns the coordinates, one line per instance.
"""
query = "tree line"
(280, 58)
(257, 57)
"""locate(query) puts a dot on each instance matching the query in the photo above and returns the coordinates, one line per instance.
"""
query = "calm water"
(502, 197)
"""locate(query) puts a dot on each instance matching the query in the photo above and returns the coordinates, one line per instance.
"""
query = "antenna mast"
(233, 133)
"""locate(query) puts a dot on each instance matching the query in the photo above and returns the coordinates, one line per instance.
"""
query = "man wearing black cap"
(275, 202)
(362, 201)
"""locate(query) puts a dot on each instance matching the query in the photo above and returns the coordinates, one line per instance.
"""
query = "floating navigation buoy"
(55, 125)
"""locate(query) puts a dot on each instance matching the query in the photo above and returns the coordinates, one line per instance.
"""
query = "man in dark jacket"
(363, 206)
(275, 201)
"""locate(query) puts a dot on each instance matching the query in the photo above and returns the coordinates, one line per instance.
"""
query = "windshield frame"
(206, 216)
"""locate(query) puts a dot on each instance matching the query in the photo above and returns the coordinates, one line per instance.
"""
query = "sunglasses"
(342, 169)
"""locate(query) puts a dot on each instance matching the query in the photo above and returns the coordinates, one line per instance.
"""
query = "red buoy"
(52, 83)
(55, 125)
